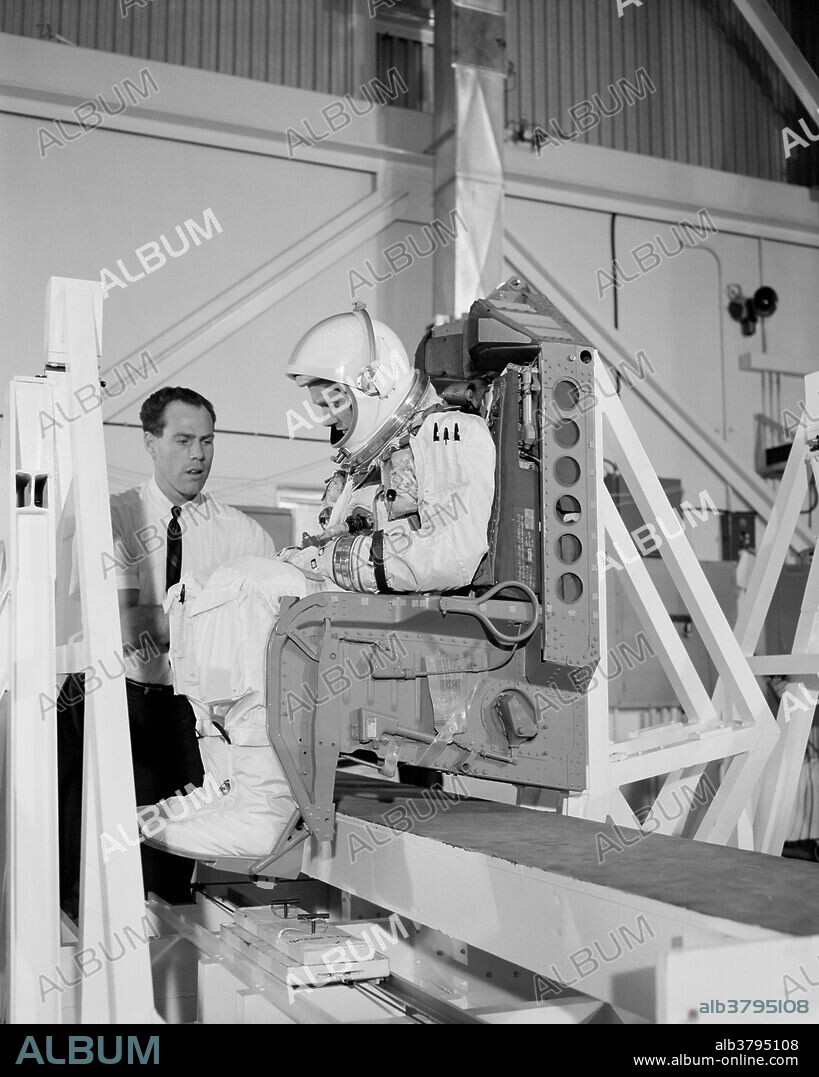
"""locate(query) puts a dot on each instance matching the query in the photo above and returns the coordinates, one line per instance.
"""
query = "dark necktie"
(173, 559)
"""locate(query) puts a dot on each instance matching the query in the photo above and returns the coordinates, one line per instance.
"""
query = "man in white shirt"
(162, 528)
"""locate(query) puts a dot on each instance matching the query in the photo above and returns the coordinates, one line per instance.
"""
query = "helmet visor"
(333, 405)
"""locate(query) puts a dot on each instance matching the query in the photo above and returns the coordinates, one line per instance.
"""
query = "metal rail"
(416, 1004)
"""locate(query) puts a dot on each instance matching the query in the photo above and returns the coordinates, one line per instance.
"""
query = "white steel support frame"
(762, 758)
(49, 475)
(707, 735)
(752, 611)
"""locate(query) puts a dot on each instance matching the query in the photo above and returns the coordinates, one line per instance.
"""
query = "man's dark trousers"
(166, 758)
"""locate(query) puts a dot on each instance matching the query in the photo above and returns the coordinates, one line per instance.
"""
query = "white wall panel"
(794, 330)
(673, 313)
(572, 241)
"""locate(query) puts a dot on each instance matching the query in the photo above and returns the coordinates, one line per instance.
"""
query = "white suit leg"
(222, 654)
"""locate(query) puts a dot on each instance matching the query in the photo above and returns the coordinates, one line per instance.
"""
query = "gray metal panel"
(339, 658)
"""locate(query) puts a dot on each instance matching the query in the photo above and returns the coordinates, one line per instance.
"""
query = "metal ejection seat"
(488, 682)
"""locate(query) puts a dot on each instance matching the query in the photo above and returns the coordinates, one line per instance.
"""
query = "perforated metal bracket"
(320, 819)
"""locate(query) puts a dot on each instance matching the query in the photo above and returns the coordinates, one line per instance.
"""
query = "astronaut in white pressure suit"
(407, 511)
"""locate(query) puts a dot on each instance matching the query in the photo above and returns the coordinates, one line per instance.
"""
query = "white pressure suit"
(421, 482)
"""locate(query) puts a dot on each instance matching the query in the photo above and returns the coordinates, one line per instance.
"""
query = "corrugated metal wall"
(721, 102)
(302, 43)
(415, 61)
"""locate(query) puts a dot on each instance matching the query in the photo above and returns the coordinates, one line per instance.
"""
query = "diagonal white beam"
(682, 782)
(755, 603)
(728, 810)
(654, 617)
(774, 546)
(782, 50)
(713, 452)
(294, 268)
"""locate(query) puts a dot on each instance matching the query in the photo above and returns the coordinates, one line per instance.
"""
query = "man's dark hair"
(152, 412)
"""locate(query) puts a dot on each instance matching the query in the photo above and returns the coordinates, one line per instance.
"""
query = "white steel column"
(31, 921)
(111, 902)
(602, 798)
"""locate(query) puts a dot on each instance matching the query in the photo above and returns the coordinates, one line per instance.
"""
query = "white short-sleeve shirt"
(212, 533)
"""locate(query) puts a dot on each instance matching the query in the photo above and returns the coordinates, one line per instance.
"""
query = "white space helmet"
(369, 360)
